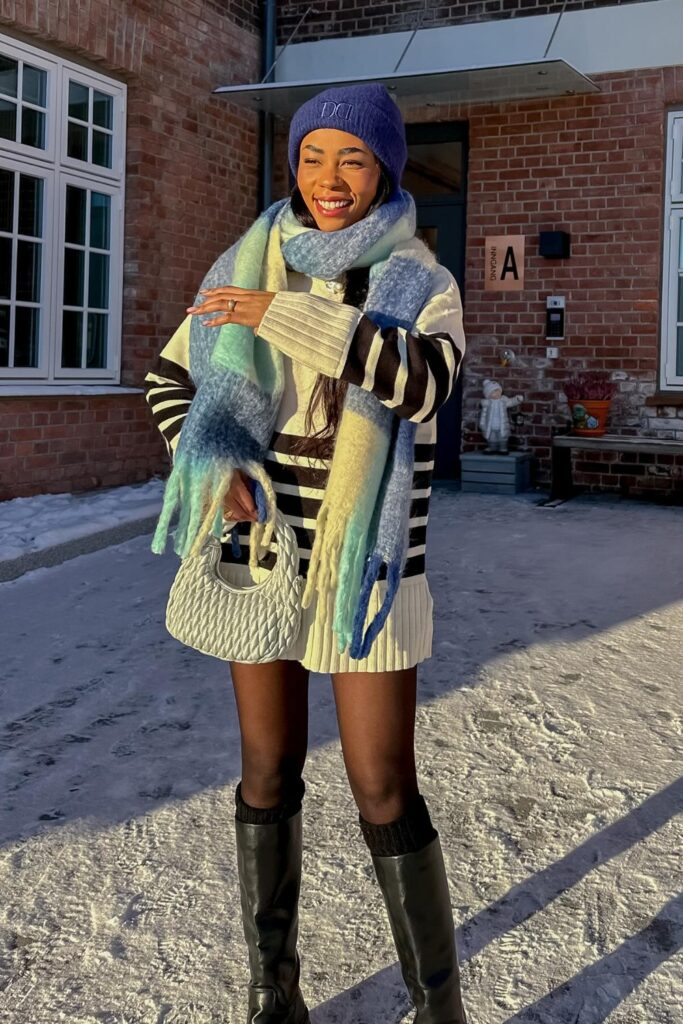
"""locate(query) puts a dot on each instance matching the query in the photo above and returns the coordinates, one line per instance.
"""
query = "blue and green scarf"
(362, 524)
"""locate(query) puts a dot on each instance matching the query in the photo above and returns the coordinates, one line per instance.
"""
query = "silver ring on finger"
(231, 305)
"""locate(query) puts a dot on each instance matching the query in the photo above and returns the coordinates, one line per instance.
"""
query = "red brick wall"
(337, 18)
(591, 165)
(74, 443)
(191, 189)
(630, 474)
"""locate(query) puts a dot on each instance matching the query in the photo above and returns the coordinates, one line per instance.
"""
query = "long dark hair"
(328, 392)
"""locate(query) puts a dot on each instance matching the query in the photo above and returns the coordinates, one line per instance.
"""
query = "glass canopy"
(499, 83)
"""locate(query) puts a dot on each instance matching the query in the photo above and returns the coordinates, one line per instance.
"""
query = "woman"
(364, 332)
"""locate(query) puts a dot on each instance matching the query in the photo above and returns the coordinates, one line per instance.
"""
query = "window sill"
(58, 390)
(665, 398)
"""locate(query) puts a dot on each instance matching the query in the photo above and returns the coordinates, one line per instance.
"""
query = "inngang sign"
(504, 263)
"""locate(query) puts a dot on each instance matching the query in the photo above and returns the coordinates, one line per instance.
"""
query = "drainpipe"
(266, 125)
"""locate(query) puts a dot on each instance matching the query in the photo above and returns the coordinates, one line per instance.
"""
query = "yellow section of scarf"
(359, 458)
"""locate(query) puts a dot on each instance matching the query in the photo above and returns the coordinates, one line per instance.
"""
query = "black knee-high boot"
(409, 865)
(269, 850)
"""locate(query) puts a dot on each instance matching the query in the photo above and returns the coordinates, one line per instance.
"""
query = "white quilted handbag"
(251, 624)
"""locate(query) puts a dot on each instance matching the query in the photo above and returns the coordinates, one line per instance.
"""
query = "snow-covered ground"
(45, 520)
(549, 743)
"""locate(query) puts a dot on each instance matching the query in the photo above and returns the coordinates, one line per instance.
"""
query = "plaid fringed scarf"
(362, 524)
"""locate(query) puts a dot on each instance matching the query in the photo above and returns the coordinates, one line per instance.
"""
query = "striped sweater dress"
(412, 373)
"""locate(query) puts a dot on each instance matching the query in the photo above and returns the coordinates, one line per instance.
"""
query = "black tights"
(376, 716)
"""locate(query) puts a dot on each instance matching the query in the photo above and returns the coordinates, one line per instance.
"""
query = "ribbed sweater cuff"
(312, 330)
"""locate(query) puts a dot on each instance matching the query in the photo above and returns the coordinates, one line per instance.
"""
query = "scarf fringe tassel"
(336, 566)
(322, 567)
(336, 562)
(348, 586)
(361, 645)
(201, 497)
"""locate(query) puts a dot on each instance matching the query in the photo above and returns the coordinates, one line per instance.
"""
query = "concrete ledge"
(12, 568)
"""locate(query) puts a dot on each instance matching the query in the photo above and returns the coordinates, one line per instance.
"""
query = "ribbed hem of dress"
(405, 639)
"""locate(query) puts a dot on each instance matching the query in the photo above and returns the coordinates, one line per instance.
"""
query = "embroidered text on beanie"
(366, 111)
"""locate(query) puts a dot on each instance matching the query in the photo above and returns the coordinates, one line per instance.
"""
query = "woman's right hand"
(238, 504)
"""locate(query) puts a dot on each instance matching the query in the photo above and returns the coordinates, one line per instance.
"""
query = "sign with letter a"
(504, 263)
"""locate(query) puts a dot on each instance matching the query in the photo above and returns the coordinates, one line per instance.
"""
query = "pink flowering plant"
(591, 386)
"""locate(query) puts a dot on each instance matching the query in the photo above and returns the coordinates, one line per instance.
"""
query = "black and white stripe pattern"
(299, 481)
(169, 390)
(413, 374)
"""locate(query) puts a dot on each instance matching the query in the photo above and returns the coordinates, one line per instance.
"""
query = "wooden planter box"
(496, 474)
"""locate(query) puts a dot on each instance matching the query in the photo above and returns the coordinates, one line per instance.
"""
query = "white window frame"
(47, 64)
(40, 372)
(93, 81)
(672, 240)
(109, 372)
(58, 170)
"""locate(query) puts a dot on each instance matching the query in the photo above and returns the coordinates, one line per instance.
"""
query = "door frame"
(432, 133)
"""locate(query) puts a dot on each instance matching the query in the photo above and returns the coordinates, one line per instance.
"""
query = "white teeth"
(337, 204)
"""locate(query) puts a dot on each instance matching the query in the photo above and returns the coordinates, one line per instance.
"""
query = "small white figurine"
(493, 421)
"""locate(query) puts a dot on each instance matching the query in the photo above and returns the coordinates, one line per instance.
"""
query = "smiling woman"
(337, 177)
(305, 381)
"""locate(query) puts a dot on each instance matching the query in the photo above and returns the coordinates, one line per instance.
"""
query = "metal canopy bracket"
(531, 79)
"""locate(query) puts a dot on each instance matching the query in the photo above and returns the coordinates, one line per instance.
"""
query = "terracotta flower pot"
(589, 416)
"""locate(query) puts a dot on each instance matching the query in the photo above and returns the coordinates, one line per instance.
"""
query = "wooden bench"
(562, 486)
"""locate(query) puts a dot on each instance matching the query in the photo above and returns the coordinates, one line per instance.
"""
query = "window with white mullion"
(678, 363)
(25, 95)
(676, 161)
(671, 362)
(62, 127)
(90, 113)
(25, 261)
(673, 309)
(91, 253)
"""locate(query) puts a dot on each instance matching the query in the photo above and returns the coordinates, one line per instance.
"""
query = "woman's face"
(337, 176)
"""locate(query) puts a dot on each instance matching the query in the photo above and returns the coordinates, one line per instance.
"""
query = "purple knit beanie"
(367, 111)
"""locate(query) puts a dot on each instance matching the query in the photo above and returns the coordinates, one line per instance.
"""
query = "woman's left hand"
(234, 306)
